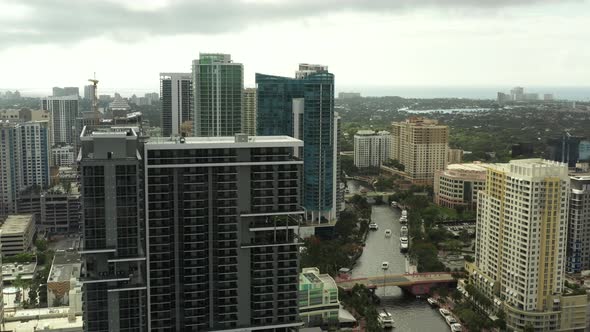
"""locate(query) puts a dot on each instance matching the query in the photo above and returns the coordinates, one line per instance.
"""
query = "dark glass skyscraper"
(190, 234)
(176, 95)
(113, 232)
(303, 107)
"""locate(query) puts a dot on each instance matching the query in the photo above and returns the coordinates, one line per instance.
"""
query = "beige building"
(458, 185)
(371, 149)
(249, 111)
(520, 245)
(455, 156)
(16, 234)
(421, 145)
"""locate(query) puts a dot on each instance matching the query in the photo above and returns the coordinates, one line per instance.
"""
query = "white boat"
(444, 312)
(403, 231)
(373, 226)
(403, 244)
(385, 265)
(405, 213)
(385, 319)
(388, 232)
(432, 301)
(393, 204)
(456, 327)
(403, 220)
(450, 320)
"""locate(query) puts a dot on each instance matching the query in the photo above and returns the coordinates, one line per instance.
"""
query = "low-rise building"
(458, 184)
(60, 209)
(16, 234)
(318, 298)
(63, 277)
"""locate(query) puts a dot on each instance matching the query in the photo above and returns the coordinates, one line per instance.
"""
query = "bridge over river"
(414, 283)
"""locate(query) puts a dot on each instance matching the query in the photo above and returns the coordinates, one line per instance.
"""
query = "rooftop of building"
(66, 265)
(420, 121)
(27, 320)
(16, 224)
(71, 97)
(111, 131)
(60, 189)
(473, 167)
(312, 276)
(11, 270)
(237, 141)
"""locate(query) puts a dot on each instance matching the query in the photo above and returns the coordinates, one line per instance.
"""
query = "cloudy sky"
(365, 43)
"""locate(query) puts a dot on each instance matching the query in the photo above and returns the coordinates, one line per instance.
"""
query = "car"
(373, 226)
(388, 232)
(385, 265)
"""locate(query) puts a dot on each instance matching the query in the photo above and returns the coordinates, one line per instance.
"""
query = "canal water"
(410, 314)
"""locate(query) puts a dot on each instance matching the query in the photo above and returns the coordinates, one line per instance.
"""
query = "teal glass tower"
(217, 91)
(303, 107)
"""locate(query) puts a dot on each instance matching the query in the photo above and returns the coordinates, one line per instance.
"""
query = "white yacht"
(373, 226)
(386, 320)
(403, 231)
(456, 327)
(388, 233)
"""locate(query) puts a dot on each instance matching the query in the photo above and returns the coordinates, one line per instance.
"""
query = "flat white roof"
(155, 143)
(468, 167)
(16, 224)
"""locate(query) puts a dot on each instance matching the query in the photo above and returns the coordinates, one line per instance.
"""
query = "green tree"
(529, 327)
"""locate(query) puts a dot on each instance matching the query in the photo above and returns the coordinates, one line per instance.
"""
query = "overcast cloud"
(45, 43)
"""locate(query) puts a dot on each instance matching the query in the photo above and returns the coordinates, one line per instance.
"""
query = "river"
(410, 314)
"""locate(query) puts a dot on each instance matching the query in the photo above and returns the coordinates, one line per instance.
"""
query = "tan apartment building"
(520, 246)
(16, 234)
(421, 145)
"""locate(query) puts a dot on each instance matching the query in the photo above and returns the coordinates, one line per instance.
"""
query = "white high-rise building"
(176, 95)
(521, 241)
(578, 239)
(63, 156)
(63, 113)
(371, 149)
(24, 160)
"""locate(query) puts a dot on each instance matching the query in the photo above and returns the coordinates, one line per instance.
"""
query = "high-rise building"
(60, 210)
(221, 217)
(89, 92)
(578, 236)
(503, 97)
(21, 170)
(421, 145)
(520, 245)
(113, 232)
(63, 156)
(371, 149)
(176, 95)
(66, 91)
(517, 93)
(213, 243)
(249, 112)
(303, 107)
(454, 156)
(217, 83)
(565, 149)
(63, 113)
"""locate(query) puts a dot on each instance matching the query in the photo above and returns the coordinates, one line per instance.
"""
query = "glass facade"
(315, 125)
(217, 85)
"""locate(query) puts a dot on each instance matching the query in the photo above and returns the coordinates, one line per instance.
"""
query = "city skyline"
(490, 39)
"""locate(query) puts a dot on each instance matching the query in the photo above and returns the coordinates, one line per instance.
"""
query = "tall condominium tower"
(420, 145)
(520, 245)
(218, 83)
(24, 160)
(578, 237)
(113, 231)
(63, 113)
(176, 94)
(190, 234)
(371, 149)
(303, 107)
(222, 219)
(249, 112)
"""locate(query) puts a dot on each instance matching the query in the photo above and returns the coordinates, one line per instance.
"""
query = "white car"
(388, 232)
(385, 265)
(373, 226)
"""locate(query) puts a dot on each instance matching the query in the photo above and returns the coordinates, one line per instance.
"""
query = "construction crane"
(95, 97)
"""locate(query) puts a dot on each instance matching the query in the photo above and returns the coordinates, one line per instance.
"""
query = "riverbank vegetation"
(360, 302)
